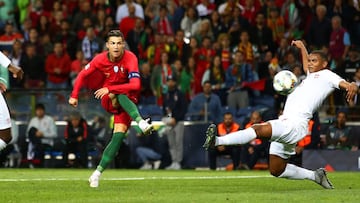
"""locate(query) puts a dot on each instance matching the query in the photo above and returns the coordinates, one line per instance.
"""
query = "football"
(284, 82)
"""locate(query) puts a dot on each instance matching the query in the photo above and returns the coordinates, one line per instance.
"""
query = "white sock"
(297, 173)
(238, 137)
(2, 144)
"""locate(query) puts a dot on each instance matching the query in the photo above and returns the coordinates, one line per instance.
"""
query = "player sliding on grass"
(291, 127)
(117, 73)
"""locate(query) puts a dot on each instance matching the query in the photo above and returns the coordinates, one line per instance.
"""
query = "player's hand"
(2, 87)
(351, 91)
(17, 72)
(298, 43)
(73, 102)
(101, 92)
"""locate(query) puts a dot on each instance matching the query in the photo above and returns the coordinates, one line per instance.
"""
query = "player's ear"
(324, 64)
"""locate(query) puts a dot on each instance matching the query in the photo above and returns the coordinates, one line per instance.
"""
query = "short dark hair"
(320, 53)
(39, 106)
(114, 33)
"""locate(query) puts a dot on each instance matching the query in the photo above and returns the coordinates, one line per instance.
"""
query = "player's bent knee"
(276, 172)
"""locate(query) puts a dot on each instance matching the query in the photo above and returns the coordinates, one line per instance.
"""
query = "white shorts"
(286, 132)
(5, 121)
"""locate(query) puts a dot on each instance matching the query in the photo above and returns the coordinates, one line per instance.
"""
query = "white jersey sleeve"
(4, 60)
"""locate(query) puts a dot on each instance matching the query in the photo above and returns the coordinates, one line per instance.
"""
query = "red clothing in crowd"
(55, 63)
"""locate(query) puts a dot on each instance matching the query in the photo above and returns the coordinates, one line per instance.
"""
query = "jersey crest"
(116, 69)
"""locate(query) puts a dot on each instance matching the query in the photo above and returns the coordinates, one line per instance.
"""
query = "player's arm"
(15, 70)
(350, 88)
(304, 53)
(79, 82)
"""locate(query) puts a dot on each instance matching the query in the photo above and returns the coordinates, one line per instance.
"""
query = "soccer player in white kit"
(5, 121)
(292, 125)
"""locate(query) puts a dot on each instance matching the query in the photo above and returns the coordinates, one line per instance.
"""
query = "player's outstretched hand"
(73, 102)
(101, 92)
(298, 43)
(351, 91)
(17, 72)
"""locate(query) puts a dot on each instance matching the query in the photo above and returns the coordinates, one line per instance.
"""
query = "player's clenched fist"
(73, 102)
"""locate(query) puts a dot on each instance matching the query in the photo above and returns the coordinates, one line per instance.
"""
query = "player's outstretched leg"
(133, 112)
(211, 133)
(322, 179)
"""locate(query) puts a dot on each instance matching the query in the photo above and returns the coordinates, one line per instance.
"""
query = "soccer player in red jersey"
(114, 74)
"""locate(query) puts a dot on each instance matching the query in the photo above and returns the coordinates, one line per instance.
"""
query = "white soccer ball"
(284, 82)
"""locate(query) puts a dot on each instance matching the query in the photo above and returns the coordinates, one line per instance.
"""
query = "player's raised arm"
(350, 88)
(304, 53)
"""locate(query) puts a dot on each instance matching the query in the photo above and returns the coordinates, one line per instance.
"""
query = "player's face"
(116, 46)
(316, 63)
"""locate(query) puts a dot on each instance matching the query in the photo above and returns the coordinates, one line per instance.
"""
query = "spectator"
(256, 149)
(205, 106)
(41, 132)
(7, 12)
(146, 94)
(34, 68)
(43, 25)
(128, 23)
(250, 11)
(77, 65)
(239, 71)
(57, 67)
(203, 57)
(216, 75)
(351, 64)
(204, 31)
(123, 10)
(91, 44)
(290, 12)
(354, 110)
(149, 151)
(339, 41)
(76, 134)
(228, 125)
(216, 23)
(68, 38)
(190, 22)
(225, 51)
(84, 12)
(339, 135)
(186, 81)
(7, 39)
(261, 36)
(320, 29)
(37, 10)
(155, 49)
(34, 39)
(227, 7)
(162, 23)
(159, 77)
(205, 8)
(174, 107)
(136, 37)
(246, 47)
(277, 25)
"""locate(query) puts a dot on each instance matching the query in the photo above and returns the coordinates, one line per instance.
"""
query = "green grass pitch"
(70, 185)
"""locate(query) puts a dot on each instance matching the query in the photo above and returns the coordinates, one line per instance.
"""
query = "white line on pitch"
(133, 178)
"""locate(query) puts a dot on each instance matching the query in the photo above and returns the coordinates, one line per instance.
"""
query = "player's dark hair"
(114, 33)
(320, 53)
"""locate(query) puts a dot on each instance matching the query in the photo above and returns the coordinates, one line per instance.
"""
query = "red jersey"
(120, 77)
